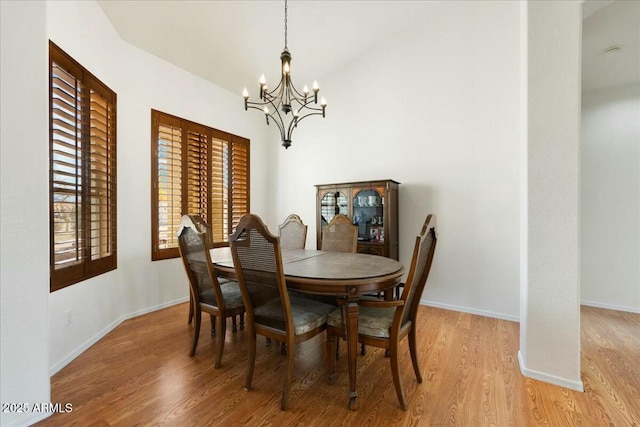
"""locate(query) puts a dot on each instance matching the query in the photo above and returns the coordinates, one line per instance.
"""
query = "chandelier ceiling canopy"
(285, 105)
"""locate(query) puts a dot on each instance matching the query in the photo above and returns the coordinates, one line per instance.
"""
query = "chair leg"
(213, 325)
(241, 321)
(196, 333)
(413, 349)
(190, 308)
(221, 320)
(290, 359)
(234, 327)
(362, 350)
(251, 359)
(332, 353)
(395, 372)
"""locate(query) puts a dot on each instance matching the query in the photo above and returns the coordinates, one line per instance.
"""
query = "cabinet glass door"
(368, 215)
(332, 204)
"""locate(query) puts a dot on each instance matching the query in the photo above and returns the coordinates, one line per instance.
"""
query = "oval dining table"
(343, 275)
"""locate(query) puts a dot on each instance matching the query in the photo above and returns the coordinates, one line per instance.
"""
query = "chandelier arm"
(300, 95)
(292, 125)
(309, 104)
(280, 126)
(255, 108)
(277, 91)
(277, 119)
(270, 101)
(307, 115)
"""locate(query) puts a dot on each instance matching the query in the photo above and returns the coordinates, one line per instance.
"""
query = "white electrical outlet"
(67, 317)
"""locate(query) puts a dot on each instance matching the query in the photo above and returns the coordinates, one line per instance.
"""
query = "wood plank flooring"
(141, 374)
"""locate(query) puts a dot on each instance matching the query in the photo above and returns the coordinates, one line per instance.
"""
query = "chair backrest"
(419, 271)
(258, 264)
(203, 227)
(292, 233)
(197, 261)
(340, 235)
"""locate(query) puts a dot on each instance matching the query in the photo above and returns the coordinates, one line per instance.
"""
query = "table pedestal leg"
(351, 319)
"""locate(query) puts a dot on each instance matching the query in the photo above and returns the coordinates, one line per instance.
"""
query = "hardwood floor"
(141, 374)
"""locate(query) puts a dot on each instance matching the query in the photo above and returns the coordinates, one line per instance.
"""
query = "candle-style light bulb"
(286, 68)
(245, 93)
(315, 86)
(266, 110)
(263, 86)
(305, 89)
(323, 102)
(295, 113)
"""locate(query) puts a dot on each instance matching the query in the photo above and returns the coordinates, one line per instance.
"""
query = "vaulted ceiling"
(231, 43)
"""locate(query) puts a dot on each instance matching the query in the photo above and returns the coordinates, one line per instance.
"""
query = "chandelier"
(285, 105)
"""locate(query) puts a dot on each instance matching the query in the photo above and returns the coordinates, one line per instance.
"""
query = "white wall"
(35, 340)
(610, 203)
(24, 208)
(142, 82)
(550, 302)
(435, 108)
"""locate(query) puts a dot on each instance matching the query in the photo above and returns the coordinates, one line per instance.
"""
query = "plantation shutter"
(219, 188)
(82, 173)
(196, 170)
(168, 189)
(239, 180)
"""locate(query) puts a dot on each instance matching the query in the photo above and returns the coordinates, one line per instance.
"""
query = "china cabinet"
(371, 205)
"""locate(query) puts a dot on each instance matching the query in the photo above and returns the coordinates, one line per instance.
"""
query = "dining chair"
(208, 295)
(286, 318)
(384, 324)
(203, 227)
(292, 233)
(340, 235)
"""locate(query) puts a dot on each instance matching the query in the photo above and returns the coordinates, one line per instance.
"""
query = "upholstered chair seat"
(230, 293)
(307, 314)
(372, 321)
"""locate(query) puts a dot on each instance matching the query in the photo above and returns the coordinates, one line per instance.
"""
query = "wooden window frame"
(220, 205)
(82, 156)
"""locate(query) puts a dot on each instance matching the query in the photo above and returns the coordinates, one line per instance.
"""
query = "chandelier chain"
(285, 24)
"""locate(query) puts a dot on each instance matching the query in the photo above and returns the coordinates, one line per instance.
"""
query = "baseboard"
(471, 310)
(551, 379)
(611, 306)
(28, 421)
(97, 337)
